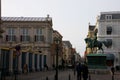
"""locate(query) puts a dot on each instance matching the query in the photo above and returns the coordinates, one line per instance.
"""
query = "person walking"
(85, 71)
(25, 68)
(79, 70)
(112, 70)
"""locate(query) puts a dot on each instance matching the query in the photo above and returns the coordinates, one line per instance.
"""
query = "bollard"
(89, 77)
(112, 71)
(69, 77)
(55, 77)
(112, 77)
(46, 78)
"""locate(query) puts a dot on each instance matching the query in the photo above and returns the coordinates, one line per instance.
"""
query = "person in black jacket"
(79, 70)
(85, 71)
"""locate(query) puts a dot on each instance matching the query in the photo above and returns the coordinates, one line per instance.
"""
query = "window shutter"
(35, 38)
(21, 38)
(6, 37)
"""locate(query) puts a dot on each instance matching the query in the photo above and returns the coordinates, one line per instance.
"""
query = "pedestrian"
(85, 71)
(112, 70)
(79, 70)
(25, 67)
(74, 69)
(46, 67)
(53, 65)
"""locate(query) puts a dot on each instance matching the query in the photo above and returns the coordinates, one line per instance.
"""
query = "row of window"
(25, 38)
(108, 17)
(24, 31)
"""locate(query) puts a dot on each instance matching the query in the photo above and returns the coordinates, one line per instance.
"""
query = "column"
(11, 61)
(33, 62)
(42, 64)
(27, 59)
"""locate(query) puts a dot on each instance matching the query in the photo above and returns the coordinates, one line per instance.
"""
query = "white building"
(108, 24)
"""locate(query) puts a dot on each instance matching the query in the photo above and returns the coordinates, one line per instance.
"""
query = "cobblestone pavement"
(63, 75)
(105, 76)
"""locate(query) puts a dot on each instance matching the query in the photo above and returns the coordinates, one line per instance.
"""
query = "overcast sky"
(70, 17)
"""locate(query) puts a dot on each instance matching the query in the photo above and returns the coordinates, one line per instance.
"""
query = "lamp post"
(18, 48)
(57, 41)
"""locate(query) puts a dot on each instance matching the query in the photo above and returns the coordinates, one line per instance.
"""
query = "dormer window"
(108, 17)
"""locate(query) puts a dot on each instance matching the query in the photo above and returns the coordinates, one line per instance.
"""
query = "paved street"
(63, 75)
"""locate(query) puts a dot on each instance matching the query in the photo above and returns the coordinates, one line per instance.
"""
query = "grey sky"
(70, 17)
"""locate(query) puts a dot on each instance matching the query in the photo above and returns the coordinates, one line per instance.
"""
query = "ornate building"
(58, 36)
(34, 35)
(108, 24)
(67, 54)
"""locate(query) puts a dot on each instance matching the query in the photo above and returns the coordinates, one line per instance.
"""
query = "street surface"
(62, 75)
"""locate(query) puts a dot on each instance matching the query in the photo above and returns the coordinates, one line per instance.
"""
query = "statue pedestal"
(96, 61)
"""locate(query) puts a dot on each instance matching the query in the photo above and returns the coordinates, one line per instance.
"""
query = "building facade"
(108, 24)
(57, 37)
(34, 35)
(67, 52)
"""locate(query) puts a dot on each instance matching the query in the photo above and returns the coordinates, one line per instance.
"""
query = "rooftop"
(111, 12)
(26, 18)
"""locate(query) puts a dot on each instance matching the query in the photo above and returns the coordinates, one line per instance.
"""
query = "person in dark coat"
(85, 71)
(112, 70)
(79, 70)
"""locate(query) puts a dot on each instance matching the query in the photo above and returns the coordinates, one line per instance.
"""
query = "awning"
(96, 54)
(110, 56)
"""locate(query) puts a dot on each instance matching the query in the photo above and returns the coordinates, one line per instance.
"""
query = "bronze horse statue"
(92, 43)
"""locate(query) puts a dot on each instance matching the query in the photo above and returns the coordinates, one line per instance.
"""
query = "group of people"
(82, 71)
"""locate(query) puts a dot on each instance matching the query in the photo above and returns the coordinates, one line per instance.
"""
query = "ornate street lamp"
(57, 42)
(18, 48)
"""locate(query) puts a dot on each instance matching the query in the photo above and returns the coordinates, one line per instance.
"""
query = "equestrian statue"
(93, 42)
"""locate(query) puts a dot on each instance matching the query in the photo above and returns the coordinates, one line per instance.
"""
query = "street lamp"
(17, 48)
(57, 41)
